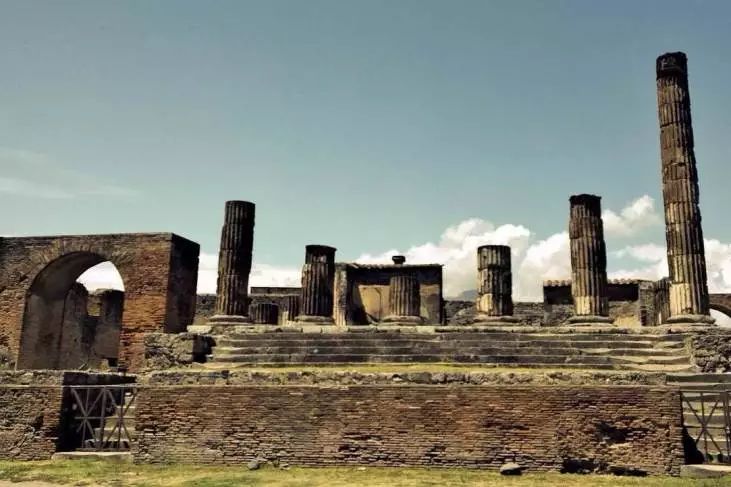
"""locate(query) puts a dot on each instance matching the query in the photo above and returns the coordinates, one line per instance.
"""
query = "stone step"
(108, 428)
(375, 358)
(456, 344)
(431, 358)
(450, 336)
(423, 349)
(694, 379)
(716, 421)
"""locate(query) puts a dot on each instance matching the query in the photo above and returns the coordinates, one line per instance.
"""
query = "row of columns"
(689, 300)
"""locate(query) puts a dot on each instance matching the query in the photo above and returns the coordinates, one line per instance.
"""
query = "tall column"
(234, 264)
(403, 296)
(318, 274)
(683, 232)
(494, 284)
(588, 260)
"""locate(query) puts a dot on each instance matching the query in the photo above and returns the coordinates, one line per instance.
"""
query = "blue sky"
(367, 125)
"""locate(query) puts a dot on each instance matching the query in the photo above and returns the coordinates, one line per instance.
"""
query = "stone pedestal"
(264, 313)
(683, 232)
(494, 285)
(318, 274)
(404, 300)
(588, 261)
(234, 264)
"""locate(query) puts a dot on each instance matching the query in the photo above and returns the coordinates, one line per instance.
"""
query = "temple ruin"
(605, 375)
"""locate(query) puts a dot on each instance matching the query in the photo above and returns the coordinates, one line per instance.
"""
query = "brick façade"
(589, 428)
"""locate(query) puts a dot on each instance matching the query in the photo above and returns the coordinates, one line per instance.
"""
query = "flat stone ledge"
(323, 377)
(704, 471)
(477, 327)
(107, 456)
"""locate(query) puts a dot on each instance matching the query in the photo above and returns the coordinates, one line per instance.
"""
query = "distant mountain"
(469, 295)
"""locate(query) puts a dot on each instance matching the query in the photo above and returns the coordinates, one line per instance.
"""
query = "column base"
(484, 319)
(403, 320)
(691, 319)
(229, 320)
(315, 320)
(589, 319)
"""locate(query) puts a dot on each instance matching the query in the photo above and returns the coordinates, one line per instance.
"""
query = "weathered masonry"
(36, 273)
(605, 375)
(683, 231)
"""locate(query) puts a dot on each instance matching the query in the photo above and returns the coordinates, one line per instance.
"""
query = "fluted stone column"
(264, 313)
(588, 260)
(234, 264)
(291, 309)
(318, 274)
(494, 284)
(403, 296)
(683, 232)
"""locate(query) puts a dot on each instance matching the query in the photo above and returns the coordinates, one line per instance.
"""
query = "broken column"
(683, 232)
(264, 313)
(494, 284)
(291, 309)
(234, 264)
(588, 261)
(318, 273)
(403, 296)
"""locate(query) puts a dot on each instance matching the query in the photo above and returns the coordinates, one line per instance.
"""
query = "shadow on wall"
(64, 327)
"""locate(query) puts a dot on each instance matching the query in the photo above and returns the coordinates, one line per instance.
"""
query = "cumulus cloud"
(545, 259)
(636, 216)
(102, 276)
(534, 260)
(456, 250)
(261, 275)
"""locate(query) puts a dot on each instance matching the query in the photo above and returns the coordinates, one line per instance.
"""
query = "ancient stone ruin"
(603, 375)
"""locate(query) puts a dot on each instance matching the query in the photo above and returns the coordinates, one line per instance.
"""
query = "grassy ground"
(86, 473)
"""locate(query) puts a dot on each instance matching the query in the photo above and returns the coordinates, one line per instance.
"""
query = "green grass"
(88, 472)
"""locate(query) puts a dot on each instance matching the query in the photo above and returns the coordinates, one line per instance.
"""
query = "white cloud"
(636, 216)
(261, 275)
(106, 276)
(102, 276)
(457, 251)
(545, 259)
(533, 261)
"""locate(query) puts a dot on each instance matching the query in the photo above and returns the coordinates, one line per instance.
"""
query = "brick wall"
(595, 428)
(34, 409)
(29, 421)
(37, 272)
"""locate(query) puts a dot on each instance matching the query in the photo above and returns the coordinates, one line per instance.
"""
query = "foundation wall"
(596, 428)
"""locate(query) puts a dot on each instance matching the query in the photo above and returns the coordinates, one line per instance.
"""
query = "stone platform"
(594, 347)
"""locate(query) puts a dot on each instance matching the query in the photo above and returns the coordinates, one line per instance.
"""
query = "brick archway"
(159, 273)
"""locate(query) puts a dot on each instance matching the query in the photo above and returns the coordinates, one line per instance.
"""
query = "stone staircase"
(704, 402)
(116, 437)
(598, 350)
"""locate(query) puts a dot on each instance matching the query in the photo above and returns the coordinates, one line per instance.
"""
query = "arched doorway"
(64, 327)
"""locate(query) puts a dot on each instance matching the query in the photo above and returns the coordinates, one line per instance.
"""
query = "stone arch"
(721, 303)
(45, 309)
(159, 271)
